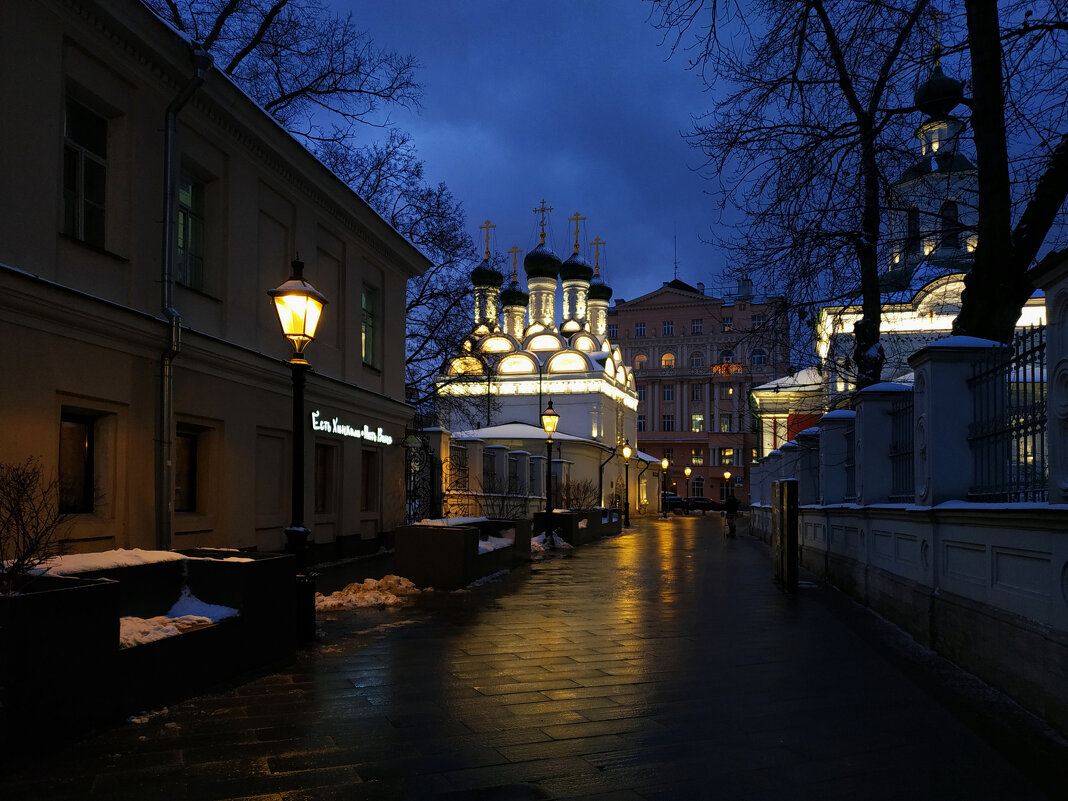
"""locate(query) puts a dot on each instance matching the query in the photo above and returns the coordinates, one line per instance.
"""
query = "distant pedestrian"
(731, 505)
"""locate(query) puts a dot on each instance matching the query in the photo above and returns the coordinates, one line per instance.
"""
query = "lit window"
(726, 391)
(640, 361)
(728, 323)
(697, 456)
(85, 155)
(190, 233)
(370, 326)
(726, 424)
(668, 423)
(668, 327)
(667, 360)
(697, 423)
(726, 456)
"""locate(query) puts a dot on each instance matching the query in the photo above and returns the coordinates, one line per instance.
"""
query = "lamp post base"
(297, 544)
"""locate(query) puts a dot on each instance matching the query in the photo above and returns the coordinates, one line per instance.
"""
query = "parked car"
(703, 504)
(672, 502)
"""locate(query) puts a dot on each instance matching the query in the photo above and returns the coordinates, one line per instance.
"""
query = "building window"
(726, 391)
(669, 392)
(697, 423)
(912, 231)
(760, 357)
(669, 454)
(77, 463)
(667, 360)
(759, 321)
(190, 232)
(724, 490)
(725, 424)
(697, 326)
(950, 225)
(186, 474)
(326, 459)
(369, 482)
(697, 456)
(726, 357)
(613, 330)
(728, 323)
(641, 422)
(640, 361)
(85, 154)
(641, 394)
(370, 326)
(697, 359)
(668, 423)
(696, 392)
(726, 456)
(639, 329)
(668, 327)
(697, 486)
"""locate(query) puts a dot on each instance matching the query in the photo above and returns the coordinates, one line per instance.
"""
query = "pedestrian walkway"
(659, 664)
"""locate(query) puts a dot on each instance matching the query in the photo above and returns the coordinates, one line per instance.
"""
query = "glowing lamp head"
(299, 306)
(727, 475)
(549, 419)
(664, 464)
(627, 450)
(687, 471)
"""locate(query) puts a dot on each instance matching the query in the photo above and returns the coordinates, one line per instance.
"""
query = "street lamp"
(626, 485)
(727, 478)
(299, 306)
(663, 483)
(549, 421)
(687, 471)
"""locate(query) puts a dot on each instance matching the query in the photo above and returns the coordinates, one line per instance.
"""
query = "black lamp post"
(626, 483)
(687, 471)
(549, 421)
(299, 306)
(663, 485)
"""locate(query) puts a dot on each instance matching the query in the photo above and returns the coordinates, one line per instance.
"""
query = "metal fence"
(1008, 430)
(902, 467)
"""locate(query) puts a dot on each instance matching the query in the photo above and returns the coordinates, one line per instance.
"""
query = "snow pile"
(493, 543)
(452, 521)
(388, 591)
(105, 560)
(554, 542)
(188, 612)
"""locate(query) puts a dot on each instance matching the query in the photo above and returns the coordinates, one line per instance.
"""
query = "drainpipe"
(600, 476)
(202, 62)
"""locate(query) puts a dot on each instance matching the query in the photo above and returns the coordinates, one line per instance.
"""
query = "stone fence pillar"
(941, 413)
(537, 484)
(1054, 282)
(808, 466)
(833, 429)
(872, 441)
(522, 469)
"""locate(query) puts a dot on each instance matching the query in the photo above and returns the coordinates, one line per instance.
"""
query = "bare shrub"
(30, 522)
(578, 496)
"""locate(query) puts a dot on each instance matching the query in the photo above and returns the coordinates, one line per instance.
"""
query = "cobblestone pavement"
(659, 664)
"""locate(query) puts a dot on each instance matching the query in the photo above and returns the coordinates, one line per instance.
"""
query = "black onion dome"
(541, 262)
(514, 295)
(576, 269)
(599, 290)
(486, 275)
(939, 94)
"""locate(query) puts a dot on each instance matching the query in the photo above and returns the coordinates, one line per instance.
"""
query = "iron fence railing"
(1008, 430)
(902, 467)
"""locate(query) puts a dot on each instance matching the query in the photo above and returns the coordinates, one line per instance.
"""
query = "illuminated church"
(523, 356)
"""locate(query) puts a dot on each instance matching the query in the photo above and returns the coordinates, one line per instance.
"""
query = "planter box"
(566, 524)
(59, 639)
(447, 557)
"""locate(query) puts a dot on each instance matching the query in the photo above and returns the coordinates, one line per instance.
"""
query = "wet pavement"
(660, 664)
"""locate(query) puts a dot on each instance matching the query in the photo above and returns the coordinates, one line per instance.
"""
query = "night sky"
(570, 101)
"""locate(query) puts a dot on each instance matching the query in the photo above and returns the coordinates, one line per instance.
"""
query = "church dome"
(514, 295)
(939, 94)
(486, 275)
(599, 290)
(576, 269)
(541, 262)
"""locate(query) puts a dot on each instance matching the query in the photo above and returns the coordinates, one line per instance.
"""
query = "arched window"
(950, 225)
(912, 231)
(697, 359)
(726, 356)
(667, 360)
(760, 357)
(640, 361)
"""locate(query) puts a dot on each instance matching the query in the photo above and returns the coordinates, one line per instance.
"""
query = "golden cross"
(576, 220)
(542, 209)
(486, 227)
(515, 251)
(597, 255)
